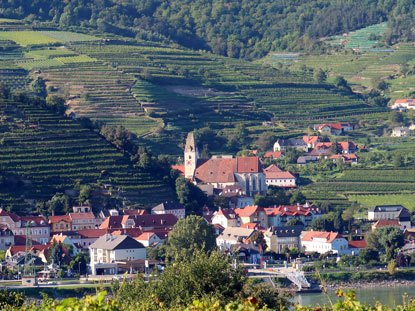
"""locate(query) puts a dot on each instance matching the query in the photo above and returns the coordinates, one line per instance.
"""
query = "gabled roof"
(358, 244)
(248, 165)
(180, 168)
(274, 172)
(305, 159)
(88, 215)
(336, 126)
(386, 223)
(228, 213)
(291, 210)
(168, 206)
(234, 233)
(311, 139)
(405, 101)
(286, 231)
(216, 170)
(59, 218)
(132, 232)
(145, 236)
(347, 145)
(328, 236)
(38, 221)
(113, 242)
(13, 216)
(248, 210)
(91, 233)
(273, 155)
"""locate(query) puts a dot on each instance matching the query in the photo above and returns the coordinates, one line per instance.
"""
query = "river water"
(390, 296)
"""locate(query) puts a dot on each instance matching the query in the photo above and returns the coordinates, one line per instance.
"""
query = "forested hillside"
(236, 28)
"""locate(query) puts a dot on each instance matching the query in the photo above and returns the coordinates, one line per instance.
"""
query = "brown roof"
(386, 222)
(154, 221)
(217, 170)
(56, 219)
(112, 222)
(329, 236)
(13, 216)
(358, 244)
(248, 165)
(40, 221)
(274, 155)
(274, 172)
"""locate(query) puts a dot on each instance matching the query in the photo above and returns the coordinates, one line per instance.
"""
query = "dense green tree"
(295, 222)
(80, 262)
(386, 239)
(189, 235)
(298, 197)
(367, 255)
(39, 87)
(319, 76)
(190, 196)
(56, 104)
(258, 238)
(59, 204)
(55, 253)
(396, 117)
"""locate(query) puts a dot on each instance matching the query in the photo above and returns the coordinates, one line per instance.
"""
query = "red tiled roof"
(329, 236)
(22, 248)
(132, 232)
(274, 172)
(358, 244)
(324, 145)
(228, 213)
(273, 155)
(39, 220)
(88, 215)
(180, 168)
(310, 139)
(219, 170)
(56, 219)
(111, 222)
(337, 126)
(248, 210)
(21, 240)
(91, 233)
(405, 101)
(13, 216)
(145, 236)
(386, 222)
(248, 165)
(346, 157)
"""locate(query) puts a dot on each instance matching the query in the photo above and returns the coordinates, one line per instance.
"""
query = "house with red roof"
(252, 214)
(143, 222)
(386, 223)
(222, 171)
(273, 155)
(324, 242)
(274, 176)
(60, 223)
(311, 141)
(403, 104)
(148, 239)
(356, 246)
(82, 220)
(226, 218)
(346, 158)
(279, 215)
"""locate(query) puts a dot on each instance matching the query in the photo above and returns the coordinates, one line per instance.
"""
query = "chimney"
(298, 208)
(286, 209)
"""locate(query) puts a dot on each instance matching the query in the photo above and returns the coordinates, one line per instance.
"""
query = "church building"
(222, 171)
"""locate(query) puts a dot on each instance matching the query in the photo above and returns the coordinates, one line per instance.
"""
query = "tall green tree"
(190, 196)
(188, 235)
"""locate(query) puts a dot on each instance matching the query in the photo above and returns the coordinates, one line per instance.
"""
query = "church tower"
(191, 155)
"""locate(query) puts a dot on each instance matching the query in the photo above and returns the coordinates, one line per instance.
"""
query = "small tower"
(191, 154)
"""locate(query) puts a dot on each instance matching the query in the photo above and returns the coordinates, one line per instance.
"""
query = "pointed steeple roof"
(190, 143)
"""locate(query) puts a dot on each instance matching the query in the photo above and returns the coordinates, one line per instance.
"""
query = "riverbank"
(362, 284)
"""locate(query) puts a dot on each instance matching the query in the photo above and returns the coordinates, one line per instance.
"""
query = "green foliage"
(56, 104)
(59, 204)
(55, 254)
(386, 239)
(396, 117)
(258, 239)
(319, 76)
(367, 255)
(190, 196)
(80, 262)
(189, 235)
(10, 299)
(39, 87)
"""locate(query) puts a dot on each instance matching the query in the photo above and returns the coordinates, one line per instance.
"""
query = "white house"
(226, 218)
(108, 249)
(174, 208)
(401, 131)
(274, 176)
(233, 235)
(323, 242)
(148, 239)
(391, 212)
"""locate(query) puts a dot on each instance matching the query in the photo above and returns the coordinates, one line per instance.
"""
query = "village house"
(60, 223)
(279, 215)
(403, 104)
(284, 144)
(222, 171)
(391, 212)
(401, 131)
(237, 196)
(273, 155)
(108, 249)
(386, 223)
(274, 176)
(148, 239)
(6, 238)
(233, 235)
(226, 218)
(278, 238)
(311, 141)
(346, 158)
(304, 160)
(82, 220)
(356, 246)
(252, 214)
(324, 242)
(144, 222)
(174, 208)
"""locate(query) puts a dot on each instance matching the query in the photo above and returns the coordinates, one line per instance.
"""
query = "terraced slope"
(53, 152)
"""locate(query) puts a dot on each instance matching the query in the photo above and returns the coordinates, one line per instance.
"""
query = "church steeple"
(191, 155)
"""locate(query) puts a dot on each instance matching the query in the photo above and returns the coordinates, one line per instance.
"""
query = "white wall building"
(323, 242)
(108, 249)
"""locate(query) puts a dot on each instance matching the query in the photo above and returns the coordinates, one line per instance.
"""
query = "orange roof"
(180, 168)
(91, 233)
(346, 145)
(358, 244)
(329, 236)
(56, 219)
(248, 210)
(404, 101)
(228, 213)
(346, 157)
(88, 215)
(337, 126)
(310, 139)
(323, 145)
(58, 238)
(145, 236)
(289, 210)
(274, 155)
